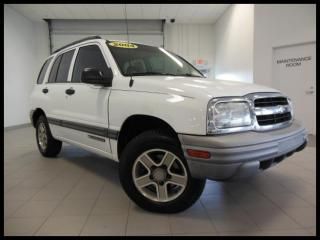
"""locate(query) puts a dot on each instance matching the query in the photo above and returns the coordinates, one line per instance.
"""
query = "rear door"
(85, 109)
(56, 85)
(39, 97)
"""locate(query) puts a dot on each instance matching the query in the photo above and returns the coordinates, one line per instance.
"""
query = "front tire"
(155, 174)
(47, 145)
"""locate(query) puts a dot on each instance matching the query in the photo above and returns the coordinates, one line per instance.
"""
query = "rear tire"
(159, 193)
(47, 145)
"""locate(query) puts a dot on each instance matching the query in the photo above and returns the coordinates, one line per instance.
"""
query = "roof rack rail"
(78, 41)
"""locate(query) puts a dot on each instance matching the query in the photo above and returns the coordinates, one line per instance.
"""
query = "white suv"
(168, 126)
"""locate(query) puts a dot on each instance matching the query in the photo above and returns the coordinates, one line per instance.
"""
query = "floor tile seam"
(279, 207)
(51, 214)
(91, 210)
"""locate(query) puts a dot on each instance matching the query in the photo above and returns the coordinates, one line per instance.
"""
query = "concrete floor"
(79, 193)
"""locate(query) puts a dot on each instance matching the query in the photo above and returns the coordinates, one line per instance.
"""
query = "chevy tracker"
(169, 127)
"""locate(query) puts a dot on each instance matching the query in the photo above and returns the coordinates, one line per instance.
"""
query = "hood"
(196, 87)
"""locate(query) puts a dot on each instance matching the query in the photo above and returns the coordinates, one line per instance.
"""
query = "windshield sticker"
(123, 45)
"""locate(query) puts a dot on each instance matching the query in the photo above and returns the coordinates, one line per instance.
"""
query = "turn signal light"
(198, 153)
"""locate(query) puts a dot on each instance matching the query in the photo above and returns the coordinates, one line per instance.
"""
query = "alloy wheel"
(159, 175)
(42, 136)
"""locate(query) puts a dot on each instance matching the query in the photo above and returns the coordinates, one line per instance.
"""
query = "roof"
(75, 42)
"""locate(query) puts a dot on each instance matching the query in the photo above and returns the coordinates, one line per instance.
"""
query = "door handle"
(310, 92)
(45, 90)
(70, 91)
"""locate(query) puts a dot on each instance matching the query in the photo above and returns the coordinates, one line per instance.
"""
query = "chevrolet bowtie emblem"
(281, 109)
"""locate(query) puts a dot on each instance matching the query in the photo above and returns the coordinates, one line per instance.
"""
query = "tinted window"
(62, 75)
(43, 71)
(88, 57)
(54, 69)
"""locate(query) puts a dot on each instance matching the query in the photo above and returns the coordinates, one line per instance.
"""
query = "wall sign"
(202, 66)
(293, 62)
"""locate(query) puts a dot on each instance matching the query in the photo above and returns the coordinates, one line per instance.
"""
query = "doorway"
(294, 74)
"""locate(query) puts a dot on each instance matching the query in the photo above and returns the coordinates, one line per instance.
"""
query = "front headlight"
(228, 116)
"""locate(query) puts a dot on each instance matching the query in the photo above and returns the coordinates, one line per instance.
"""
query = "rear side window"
(43, 71)
(54, 70)
(62, 75)
(88, 57)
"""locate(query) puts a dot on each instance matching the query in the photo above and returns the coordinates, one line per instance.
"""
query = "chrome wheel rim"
(159, 175)
(42, 136)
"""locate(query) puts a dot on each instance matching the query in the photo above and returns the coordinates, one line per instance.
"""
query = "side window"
(54, 69)
(62, 75)
(88, 57)
(43, 71)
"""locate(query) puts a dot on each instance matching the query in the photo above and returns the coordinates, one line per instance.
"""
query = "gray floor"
(79, 193)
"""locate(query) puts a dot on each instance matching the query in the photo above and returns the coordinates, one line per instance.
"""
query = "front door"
(294, 73)
(86, 105)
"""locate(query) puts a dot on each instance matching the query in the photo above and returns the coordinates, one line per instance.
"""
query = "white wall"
(234, 43)
(26, 45)
(191, 41)
(278, 25)
(149, 32)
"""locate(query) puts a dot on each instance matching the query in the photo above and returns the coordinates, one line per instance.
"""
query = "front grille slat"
(270, 102)
(271, 119)
(273, 116)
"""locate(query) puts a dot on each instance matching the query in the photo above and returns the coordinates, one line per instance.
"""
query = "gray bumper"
(242, 154)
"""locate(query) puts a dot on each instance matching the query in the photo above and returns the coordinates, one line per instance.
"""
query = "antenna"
(126, 18)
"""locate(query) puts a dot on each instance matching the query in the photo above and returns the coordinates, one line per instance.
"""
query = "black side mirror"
(96, 76)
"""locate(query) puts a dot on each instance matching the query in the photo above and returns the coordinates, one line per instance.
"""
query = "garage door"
(148, 32)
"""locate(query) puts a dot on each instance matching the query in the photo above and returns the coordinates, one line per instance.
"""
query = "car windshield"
(139, 60)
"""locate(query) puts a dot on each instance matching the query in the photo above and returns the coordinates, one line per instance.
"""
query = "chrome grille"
(272, 110)
(270, 101)
(273, 118)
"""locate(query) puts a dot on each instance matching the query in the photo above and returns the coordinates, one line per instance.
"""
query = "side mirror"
(96, 76)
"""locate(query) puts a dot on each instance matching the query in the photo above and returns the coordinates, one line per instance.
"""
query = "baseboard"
(17, 126)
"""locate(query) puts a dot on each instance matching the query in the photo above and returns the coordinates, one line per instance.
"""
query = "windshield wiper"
(151, 73)
(163, 74)
(188, 75)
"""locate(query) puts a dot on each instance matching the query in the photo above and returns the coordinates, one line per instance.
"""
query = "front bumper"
(242, 154)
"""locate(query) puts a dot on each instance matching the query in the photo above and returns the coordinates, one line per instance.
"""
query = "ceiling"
(183, 13)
